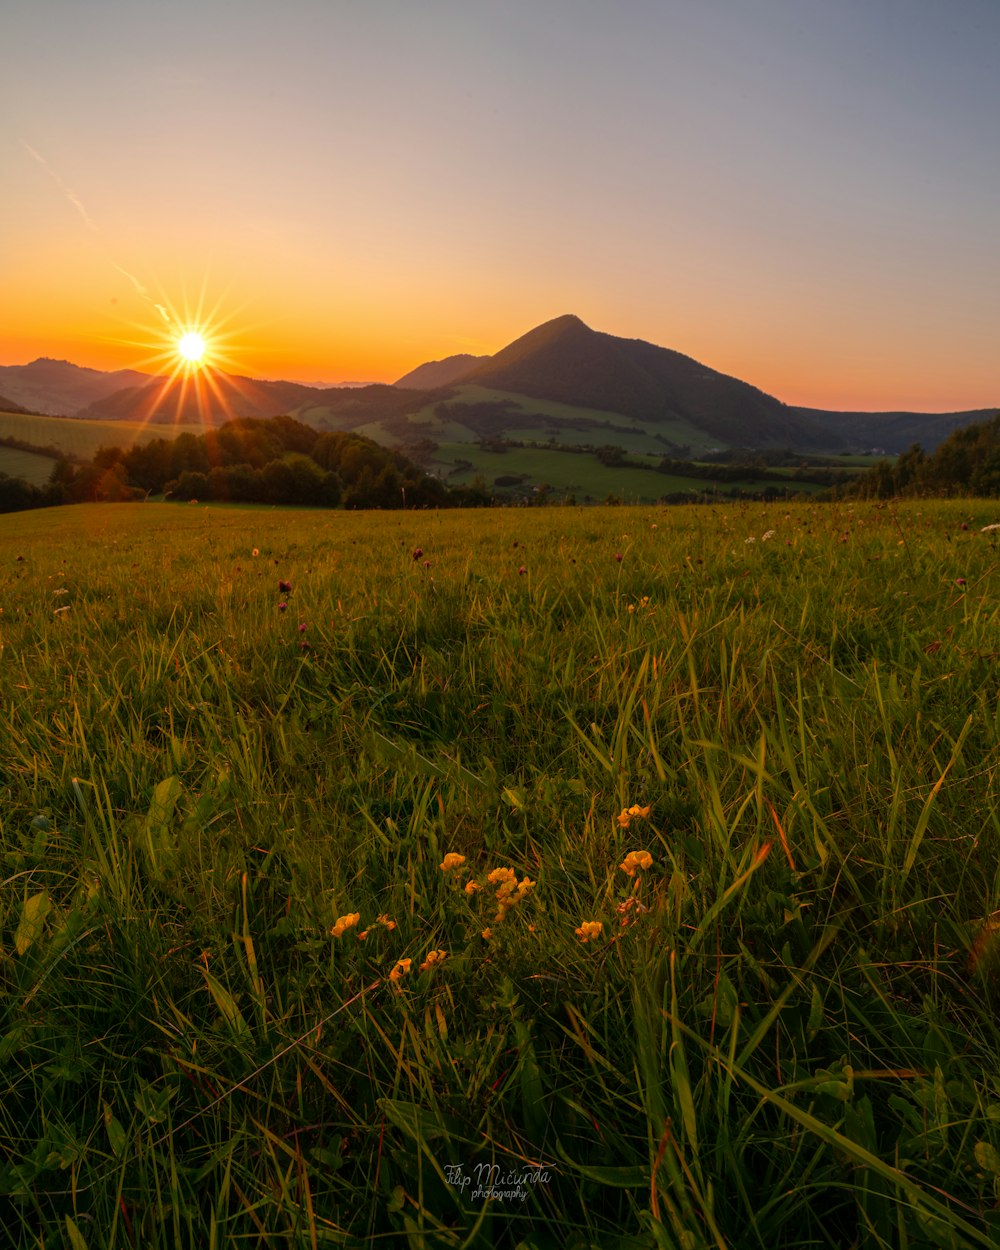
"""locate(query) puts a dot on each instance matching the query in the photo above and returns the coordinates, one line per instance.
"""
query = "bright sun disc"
(191, 347)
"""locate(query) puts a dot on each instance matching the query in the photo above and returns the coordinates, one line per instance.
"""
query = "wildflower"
(389, 924)
(751, 539)
(451, 860)
(303, 646)
(433, 957)
(255, 552)
(525, 887)
(427, 564)
(417, 552)
(471, 887)
(487, 934)
(629, 813)
(400, 970)
(765, 537)
(285, 587)
(988, 529)
(302, 627)
(521, 571)
(501, 874)
(282, 606)
(631, 608)
(959, 581)
(634, 860)
(344, 923)
(589, 930)
(619, 557)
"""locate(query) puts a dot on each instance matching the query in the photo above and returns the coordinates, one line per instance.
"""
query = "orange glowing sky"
(802, 194)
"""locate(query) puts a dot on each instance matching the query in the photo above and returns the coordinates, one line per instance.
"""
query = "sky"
(800, 193)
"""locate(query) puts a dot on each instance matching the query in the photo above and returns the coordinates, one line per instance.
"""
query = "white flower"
(988, 528)
(765, 537)
(751, 539)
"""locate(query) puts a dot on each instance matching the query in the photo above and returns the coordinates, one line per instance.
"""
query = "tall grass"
(785, 1032)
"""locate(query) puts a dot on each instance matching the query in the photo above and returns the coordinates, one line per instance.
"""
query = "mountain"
(207, 396)
(57, 388)
(567, 362)
(438, 373)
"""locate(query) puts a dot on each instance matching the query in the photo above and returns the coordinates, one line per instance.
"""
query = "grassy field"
(585, 476)
(718, 966)
(82, 438)
(29, 465)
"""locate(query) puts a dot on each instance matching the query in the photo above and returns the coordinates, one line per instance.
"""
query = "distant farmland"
(80, 438)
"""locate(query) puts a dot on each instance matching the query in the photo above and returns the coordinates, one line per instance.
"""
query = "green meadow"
(80, 437)
(594, 878)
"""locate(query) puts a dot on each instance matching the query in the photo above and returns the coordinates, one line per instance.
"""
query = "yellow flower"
(501, 874)
(636, 859)
(344, 923)
(629, 813)
(589, 930)
(525, 887)
(384, 919)
(487, 934)
(255, 552)
(433, 957)
(472, 886)
(400, 969)
(452, 860)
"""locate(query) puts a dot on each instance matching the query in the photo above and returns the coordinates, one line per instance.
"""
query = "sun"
(191, 347)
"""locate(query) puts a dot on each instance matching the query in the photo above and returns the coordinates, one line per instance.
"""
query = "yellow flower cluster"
(433, 957)
(628, 814)
(401, 969)
(510, 891)
(589, 930)
(452, 860)
(634, 860)
(351, 919)
(643, 603)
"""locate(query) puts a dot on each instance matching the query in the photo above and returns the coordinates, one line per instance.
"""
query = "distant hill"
(59, 388)
(438, 373)
(8, 405)
(208, 396)
(892, 433)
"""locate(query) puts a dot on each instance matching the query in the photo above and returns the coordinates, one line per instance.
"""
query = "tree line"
(966, 463)
(277, 460)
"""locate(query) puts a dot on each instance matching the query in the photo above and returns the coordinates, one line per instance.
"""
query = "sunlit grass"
(311, 916)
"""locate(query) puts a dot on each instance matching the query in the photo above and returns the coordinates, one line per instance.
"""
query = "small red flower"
(285, 588)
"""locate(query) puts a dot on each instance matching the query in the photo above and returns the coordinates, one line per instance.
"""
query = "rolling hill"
(59, 388)
(436, 373)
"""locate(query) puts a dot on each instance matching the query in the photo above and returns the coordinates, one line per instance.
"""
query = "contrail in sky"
(91, 225)
(69, 193)
(141, 290)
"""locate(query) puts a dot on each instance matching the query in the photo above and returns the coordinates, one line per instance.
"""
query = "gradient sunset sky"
(802, 193)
